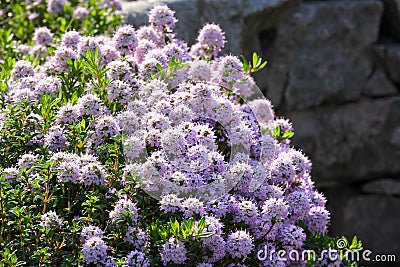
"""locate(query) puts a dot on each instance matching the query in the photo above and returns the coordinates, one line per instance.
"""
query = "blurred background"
(334, 71)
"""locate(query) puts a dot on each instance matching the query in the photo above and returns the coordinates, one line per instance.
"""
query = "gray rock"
(389, 55)
(241, 20)
(382, 187)
(374, 219)
(391, 18)
(350, 143)
(322, 54)
(379, 85)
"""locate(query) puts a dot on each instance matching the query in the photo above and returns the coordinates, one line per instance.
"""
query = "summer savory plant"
(136, 149)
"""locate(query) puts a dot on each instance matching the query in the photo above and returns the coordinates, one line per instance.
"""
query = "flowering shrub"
(138, 150)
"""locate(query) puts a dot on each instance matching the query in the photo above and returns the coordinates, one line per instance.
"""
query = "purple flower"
(27, 160)
(50, 85)
(292, 236)
(55, 139)
(173, 251)
(125, 209)
(80, 13)
(55, 7)
(88, 43)
(10, 174)
(211, 41)
(22, 68)
(93, 173)
(162, 18)
(91, 231)
(136, 259)
(71, 39)
(94, 250)
(90, 105)
(274, 208)
(239, 244)
(42, 36)
(125, 40)
(192, 206)
(67, 114)
(317, 219)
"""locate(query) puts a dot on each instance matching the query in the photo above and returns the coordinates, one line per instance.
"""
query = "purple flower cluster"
(85, 169)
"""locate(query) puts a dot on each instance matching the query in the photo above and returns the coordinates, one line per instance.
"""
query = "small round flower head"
(144, 46)
(211, 40)
(119, 91)
(282, 169)
(199, 70)
(91, 231)
(50, 219)
(88, 43)
(69, 171)
(317, 219)
(299, 204)
(124, 209)
(67, 114)
(175, 50)
(292, 236)
(71, 39)
(10, 174)
(107, 127)
(149, 65)
(162, 18)
(55, 139)
(300, 162)
(193, 206)
(137, 258)
(229, 69)
(151, 34)
(55, 7)
(109, 53)
(27, 160)
(202, 264)
(170, 203)
(61, 54)
(247, 212)
(239, 244)
(125, 40)
(22, 68)
(29, 83)
(94, 250)
(42, 36)
(50, 85)
(93, 173)
(89, 105)
(80, 13)
(173, 251)
(119, 70)
(274, 208)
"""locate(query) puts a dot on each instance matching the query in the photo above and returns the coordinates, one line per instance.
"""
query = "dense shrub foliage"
(135, 149)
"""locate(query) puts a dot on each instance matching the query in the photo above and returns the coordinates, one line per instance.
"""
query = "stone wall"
(334, 70)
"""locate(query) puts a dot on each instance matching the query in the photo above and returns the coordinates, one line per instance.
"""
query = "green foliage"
(255, 65)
